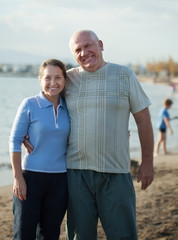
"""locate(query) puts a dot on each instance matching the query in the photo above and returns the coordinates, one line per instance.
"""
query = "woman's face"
(52, 81)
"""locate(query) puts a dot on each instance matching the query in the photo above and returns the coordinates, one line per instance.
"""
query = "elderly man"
(100, 96)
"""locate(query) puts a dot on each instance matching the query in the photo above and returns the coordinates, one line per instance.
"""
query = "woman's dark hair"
(52, 62)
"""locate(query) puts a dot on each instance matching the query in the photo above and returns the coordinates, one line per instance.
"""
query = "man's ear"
(101, 45)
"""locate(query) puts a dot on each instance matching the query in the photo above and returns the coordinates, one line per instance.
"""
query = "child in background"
(162, 124)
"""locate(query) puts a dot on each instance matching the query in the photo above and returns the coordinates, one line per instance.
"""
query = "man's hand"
(27, 144)
(145, 175)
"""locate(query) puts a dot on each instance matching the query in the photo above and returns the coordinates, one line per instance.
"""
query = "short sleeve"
(137, 97)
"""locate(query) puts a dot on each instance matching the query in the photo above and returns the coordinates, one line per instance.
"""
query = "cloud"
(45, 15)
(138, 28)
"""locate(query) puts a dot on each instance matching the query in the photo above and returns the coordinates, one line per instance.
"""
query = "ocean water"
(14, 90)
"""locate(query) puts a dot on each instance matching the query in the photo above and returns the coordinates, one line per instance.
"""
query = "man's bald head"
(79, 33)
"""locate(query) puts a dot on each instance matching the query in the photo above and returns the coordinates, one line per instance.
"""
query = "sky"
(132, 31)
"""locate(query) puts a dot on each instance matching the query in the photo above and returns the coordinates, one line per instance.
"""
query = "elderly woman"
(40, 182)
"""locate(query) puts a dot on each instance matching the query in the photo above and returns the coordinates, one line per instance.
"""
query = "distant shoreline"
(20, 75)
(141, 78)
(168, 83)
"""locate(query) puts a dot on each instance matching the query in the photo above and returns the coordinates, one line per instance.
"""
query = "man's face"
(87, 51)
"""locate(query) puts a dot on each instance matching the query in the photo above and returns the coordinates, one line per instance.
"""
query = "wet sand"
(157, 207)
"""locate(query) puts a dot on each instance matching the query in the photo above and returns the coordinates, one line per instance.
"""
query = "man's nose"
(83, 52)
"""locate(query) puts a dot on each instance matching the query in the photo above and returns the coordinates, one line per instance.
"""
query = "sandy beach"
(157, 207)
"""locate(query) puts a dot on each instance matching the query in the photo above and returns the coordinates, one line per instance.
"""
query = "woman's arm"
(18, 132)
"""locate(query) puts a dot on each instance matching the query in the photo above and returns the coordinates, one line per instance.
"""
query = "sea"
(14, 89)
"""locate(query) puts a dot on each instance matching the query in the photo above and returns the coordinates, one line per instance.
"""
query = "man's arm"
(145, 131)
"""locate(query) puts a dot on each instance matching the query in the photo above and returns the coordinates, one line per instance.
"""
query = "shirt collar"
(43, 102)
(98, 70)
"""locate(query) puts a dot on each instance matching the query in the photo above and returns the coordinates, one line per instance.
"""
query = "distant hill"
(19, 57)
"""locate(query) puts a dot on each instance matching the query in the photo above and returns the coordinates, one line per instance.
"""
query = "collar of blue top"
(43, 102)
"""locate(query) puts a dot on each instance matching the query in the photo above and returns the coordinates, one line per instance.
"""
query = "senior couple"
(99, 98)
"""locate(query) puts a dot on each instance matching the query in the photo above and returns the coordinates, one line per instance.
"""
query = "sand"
(157, 207)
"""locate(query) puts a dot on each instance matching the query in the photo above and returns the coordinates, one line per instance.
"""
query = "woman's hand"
(20, 188)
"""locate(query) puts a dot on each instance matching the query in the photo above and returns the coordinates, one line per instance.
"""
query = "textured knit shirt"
(99, 105)
(48, 134)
